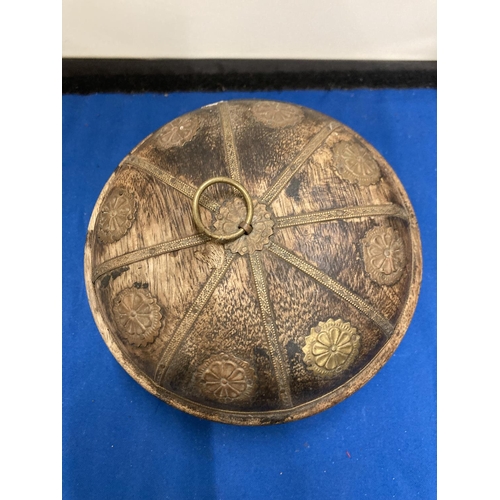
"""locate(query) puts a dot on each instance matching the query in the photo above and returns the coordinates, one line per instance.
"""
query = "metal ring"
(196, 208)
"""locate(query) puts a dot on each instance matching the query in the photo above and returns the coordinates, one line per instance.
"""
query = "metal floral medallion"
(232, 213)
(273, 265)
(116, 215)
(354, 163)
(178, 132)
(137, 315)
(277, 114)
(384, 255)
(331, 347)
(226, 378)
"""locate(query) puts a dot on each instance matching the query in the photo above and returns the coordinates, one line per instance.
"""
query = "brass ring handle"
(248, 201)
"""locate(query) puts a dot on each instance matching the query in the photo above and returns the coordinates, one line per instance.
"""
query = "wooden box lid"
(253, 262)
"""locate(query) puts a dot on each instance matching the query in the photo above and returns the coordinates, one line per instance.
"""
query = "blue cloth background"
(120, 442)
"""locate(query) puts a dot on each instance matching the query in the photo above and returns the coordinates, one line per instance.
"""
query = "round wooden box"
(253, 262)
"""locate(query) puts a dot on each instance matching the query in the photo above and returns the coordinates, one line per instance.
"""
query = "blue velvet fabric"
(120, 442)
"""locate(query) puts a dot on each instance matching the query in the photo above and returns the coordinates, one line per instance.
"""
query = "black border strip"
(86, 76)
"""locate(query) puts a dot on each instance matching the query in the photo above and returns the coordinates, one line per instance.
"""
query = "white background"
(263, 29)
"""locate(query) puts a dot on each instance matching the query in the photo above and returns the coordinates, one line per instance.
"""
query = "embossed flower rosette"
(226, 378)
(116, 216)
(230, 216)
(331, 347)
(178, 131)
(137, 315)
(354, 163)
(277, 114)
(384, 255)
